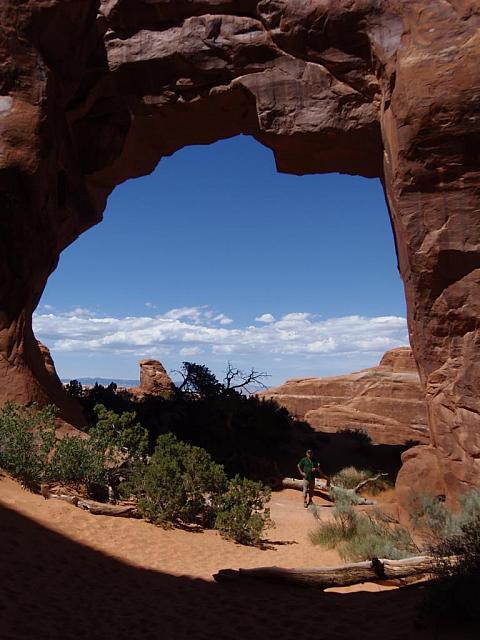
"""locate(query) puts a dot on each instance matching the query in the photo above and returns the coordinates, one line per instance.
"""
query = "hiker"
(309, 468)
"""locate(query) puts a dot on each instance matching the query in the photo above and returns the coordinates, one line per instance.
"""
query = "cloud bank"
(197, 331)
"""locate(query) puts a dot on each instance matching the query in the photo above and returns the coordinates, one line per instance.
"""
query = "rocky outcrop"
(94, 92)
(154, 380)
(388, 400)
(70, 409)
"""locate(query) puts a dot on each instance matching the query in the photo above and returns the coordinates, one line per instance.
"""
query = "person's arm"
(322, 474)
(300, 469)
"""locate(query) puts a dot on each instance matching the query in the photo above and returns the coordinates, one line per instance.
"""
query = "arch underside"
(93, 93)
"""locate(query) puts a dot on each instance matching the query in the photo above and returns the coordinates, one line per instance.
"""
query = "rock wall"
(387, 400)
(94, 92)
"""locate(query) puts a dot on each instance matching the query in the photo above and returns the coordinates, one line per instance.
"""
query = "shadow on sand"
(53, 588)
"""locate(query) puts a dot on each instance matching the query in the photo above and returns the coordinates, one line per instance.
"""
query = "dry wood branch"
(364, 483)
(95, 508)
(376, 570)
(321, 490)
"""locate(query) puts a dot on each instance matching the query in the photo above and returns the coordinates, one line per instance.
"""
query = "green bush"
(119, 432)
(177, 484)
(342, 528)
(31, 452)
(27, 437)
(75, 462)
(360, 536)
(241, 512)
(181, 484)
(435, 522)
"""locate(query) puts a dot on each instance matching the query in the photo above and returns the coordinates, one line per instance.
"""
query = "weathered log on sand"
(95, 508)
(379, 571)
(321, 490)
(118, 511)
(294, 483)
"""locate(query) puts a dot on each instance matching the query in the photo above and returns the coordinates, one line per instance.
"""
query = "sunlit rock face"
(154, 380)
(92, 93)
(388, 401)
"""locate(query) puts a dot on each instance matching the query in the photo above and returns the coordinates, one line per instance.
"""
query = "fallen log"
(322, 490)
(294, 483)
(381, 571)
(117, 511)
(95, 508)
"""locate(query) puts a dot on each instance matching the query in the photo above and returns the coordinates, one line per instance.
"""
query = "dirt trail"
(68, 575)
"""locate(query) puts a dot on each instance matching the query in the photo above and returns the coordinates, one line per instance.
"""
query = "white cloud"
(191, 330)
(265, 317)
(189, 351)
(223, 319)
(78, 312)
(191, 313)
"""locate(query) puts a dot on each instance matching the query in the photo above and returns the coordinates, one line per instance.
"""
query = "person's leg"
(311, 490)
(305, 491)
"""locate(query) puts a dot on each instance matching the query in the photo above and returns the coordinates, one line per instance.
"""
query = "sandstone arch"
(93, 92)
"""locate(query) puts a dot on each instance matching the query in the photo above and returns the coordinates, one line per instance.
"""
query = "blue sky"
(214, 257)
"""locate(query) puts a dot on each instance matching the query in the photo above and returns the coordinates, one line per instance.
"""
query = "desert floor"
(66, 574)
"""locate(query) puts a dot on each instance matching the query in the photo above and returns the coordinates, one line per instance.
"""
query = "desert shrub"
(435, 522)
(241, 512)
(181, 484)
(453, 537)
(360, 536)
(454, 595)
(77, 461)
(27, 435)
(119, 431)
(377, 538)
(31, 452)
(177, 484)
(342, 528)
(349, 478)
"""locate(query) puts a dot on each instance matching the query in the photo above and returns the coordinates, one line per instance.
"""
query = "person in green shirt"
(309, 468)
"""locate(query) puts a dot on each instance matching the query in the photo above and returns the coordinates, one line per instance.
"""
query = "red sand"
(67, 574)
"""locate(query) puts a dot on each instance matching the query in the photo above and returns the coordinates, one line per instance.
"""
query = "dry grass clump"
(362, 536)
(351, 477)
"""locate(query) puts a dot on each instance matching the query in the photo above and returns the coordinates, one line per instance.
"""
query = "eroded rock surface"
(154, 380)
(92, 93)
(388, 400)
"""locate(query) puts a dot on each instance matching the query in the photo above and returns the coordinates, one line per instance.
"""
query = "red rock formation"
(154, 380)
(93, 93)
(387, 400)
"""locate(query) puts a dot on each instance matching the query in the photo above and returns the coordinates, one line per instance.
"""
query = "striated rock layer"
(94, 92)
(388, 400)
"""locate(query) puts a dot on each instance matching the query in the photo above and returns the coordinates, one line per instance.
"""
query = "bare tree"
(237, 380)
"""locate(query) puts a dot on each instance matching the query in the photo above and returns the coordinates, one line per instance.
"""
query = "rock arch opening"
(94, 92)
(212, 256)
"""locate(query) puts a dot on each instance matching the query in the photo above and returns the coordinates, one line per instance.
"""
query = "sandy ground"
(66, 574)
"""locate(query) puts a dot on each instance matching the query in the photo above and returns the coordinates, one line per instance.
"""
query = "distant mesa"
(91, 381)
(387, 400)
